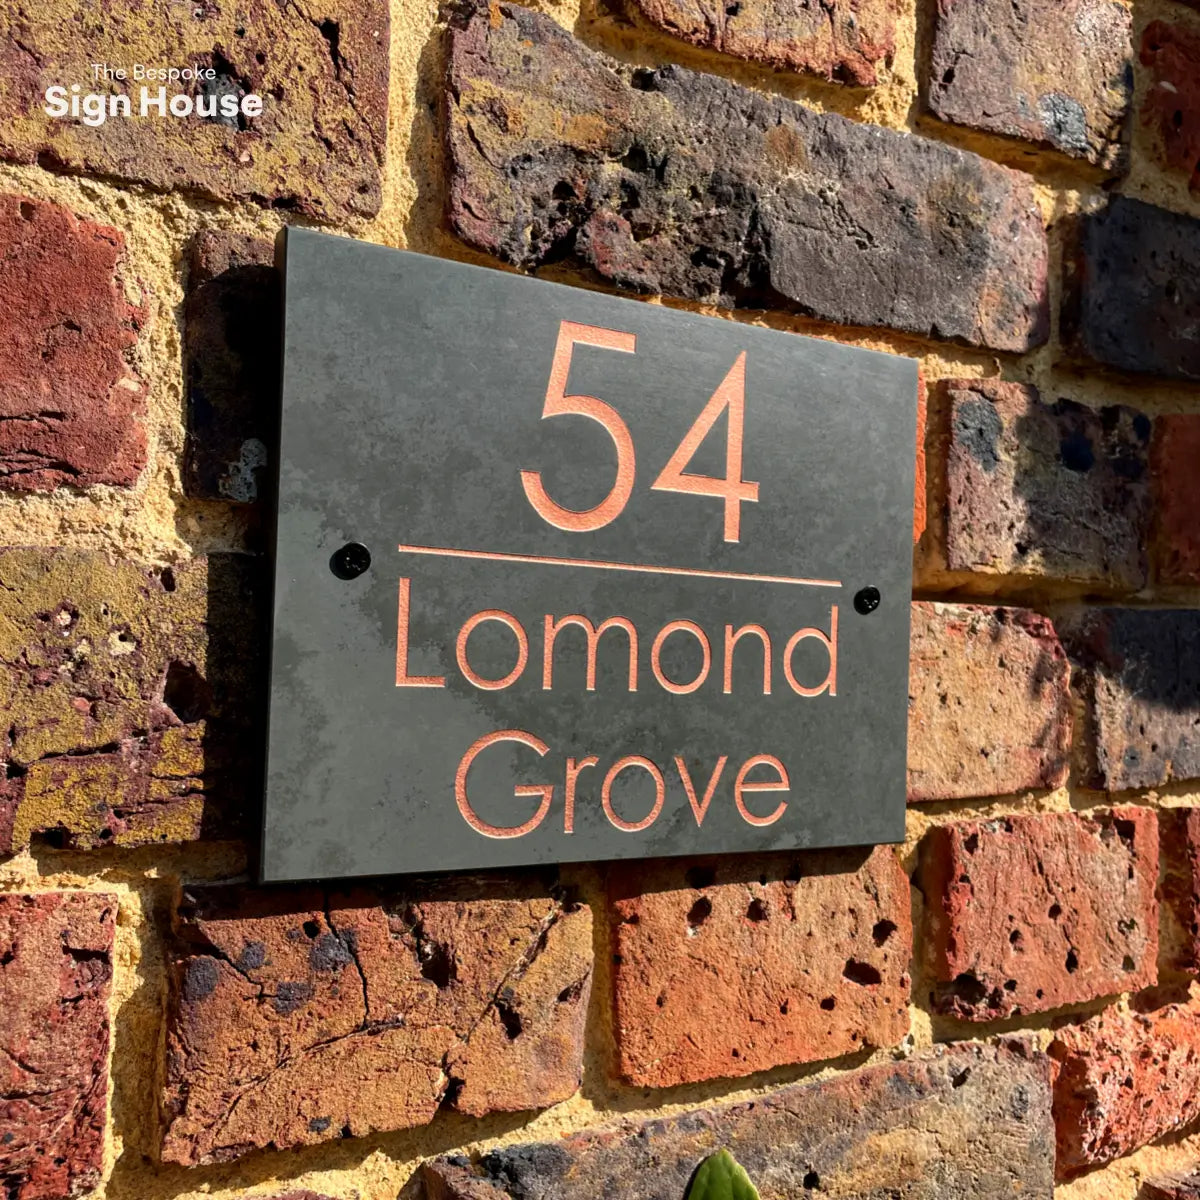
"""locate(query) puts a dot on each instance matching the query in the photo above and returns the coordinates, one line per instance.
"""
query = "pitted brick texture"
(951, 1122)
(1054, 72)
(71, 400)
(728, 967)
(689, 185)
(989, 707)
(130, 696)
(1175, 460)
(1025, 914)
(55, 976)
(1037, 488)
(852, 41)
(1171, 108)
(322, 71)
(1137, 671)
(1122, 1080)
(297, 1017)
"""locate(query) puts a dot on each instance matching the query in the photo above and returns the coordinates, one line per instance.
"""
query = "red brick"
(846, 40)
(1184, 1185)
(1055, 72)
(1035, 488)
(725, 967)
(71, 401)
(1029, 913)
(989, 706)
(300, 1016)
(55, 976)
(1175, 458)
(1123, 1080)
(1180, 846)
(1171, 108)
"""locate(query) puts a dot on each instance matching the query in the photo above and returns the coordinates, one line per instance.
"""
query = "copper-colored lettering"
(573, 770)
(460, 649)
(546, 791)
(593, 634)
(700, 807)
(781, 784)
(830, 641)
(680, 689)
(732, 639)
(660, 792)
(403, 678)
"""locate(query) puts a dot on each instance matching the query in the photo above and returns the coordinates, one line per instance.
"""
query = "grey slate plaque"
(524, 462)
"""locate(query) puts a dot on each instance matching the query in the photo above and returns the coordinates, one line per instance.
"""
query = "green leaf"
(720, 1177)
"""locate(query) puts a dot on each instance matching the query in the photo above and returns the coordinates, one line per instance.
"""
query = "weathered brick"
(989, 706)
(71, 400)
(321, 70)
(1175, 457)
(1171, 108)
(130, 697)
(232, 321)
(1030, 913)
(1122, 1080)
(954, 1121)
(55, 976)
(1137, 671)
(1132, 294)
(1180, 844)
(847, 40)
(690, 185)
(1183, 1185)
(725, 967)
(296, 1017)
(1037, 488)
(1055, 72)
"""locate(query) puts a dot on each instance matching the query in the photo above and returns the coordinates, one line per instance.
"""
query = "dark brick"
(131, 697)
(300, 1016)
(1180, 842)
(1030, 913)
(729, 967)
(71, 400)
(1137, 671)
(1036, 488)
(1175, 460)
(1132, 295)
(1184, 1185)
(989, 705)
(847, 40)
(232, 323)
(689, 185)
(1171, 108)
(1055, 72)
(55, 977)
(954, 1121)
(322, 72)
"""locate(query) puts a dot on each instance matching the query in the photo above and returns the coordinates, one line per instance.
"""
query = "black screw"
(350, 561)
(867, 601)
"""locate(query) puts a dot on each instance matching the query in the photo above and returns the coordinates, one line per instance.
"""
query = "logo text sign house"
(615, 553)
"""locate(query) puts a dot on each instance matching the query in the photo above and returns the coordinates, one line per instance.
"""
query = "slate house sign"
(561, 576)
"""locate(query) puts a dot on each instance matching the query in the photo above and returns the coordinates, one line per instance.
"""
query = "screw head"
(867, 600)
(350, 561)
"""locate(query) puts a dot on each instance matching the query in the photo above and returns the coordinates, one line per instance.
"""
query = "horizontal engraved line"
(546, 560)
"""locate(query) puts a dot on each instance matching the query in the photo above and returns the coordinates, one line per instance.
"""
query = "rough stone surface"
(1180, 841)
(726, 967)
(1171, 108)
(1185, 1185)
(847, 40)
(1026, 914)
(1175, 459)
(954, 1121)
(1122, 1080)
(989, 705)
(1046, 488)
(55, 975)
(690, 185)
(1055, 72)
(71, 400)
(232, 321)
(321, 70)
(1132, 289)
(1137, 671)
(300, 1016)
(130, 697)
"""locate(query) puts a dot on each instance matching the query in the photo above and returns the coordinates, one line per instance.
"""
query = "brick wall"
(1004, 1005)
